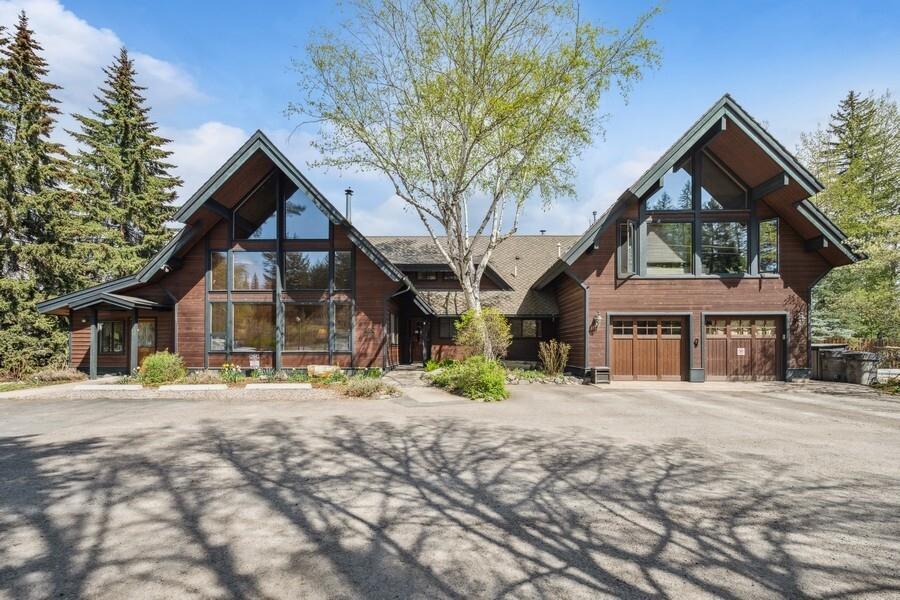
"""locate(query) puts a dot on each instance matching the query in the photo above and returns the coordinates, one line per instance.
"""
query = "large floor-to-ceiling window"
(280, 286)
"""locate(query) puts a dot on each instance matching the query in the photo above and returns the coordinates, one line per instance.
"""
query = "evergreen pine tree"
(122, 173)
(37, 209)
(858, 160)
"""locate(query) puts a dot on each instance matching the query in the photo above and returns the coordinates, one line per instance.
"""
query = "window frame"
(518, 323)
(747, 250)
(697, 216)
(672, 218)
(328, 326)
(100, 334)
(329, 284)
(230, 342)
(759, 224)
(626, 241)
(232, 280)
(451, 321)
(209, 328)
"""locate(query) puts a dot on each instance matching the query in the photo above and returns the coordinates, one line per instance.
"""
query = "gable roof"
(184, 238)
(519, 261)
(725, 110)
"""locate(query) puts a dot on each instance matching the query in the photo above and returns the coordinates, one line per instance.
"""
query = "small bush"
(298, 377)
(434, 365)
(57, 375)
(527, 374)
(476, 377)
(200, 377)
(486, 332)
(231, 373)
(891, 386)
(366, 387)
(554, 355)
(336, 377)
(373, 373)
(162, 367)
(269, 375)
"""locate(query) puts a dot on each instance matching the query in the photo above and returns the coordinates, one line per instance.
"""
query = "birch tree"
(471, 108)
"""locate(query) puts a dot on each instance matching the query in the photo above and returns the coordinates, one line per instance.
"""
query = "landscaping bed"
(166, 371)
(42, 378)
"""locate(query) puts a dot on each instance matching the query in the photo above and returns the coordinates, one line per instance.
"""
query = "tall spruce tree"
(38, 253)
(121, 171)
(857, 157)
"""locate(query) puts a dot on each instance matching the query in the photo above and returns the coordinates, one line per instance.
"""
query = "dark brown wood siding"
(570, 299)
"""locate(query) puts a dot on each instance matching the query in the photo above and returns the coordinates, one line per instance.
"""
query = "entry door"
(416, 339)
(744, 348)
(146, 341)
(648, 349)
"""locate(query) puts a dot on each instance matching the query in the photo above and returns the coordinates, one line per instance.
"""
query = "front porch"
(113, 333)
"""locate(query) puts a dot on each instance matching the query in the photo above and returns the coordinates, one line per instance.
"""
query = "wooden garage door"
(647, 349)
(744, 348)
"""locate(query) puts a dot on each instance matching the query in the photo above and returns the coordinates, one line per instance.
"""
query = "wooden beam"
(773, 184)
(94, 342)
(218, 208)
(133, 343)
(816, 243)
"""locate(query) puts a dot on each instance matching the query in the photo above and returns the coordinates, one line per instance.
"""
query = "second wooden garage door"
(647, 349)
(743, 348)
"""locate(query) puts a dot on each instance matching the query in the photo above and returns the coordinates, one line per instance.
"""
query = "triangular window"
(675, 192)
(302, 218)
(718, 189)
(256, 218)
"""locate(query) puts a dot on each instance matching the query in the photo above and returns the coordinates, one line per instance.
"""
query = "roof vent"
(348, 196)
(558, 249)
(543, 231)
(595, 218)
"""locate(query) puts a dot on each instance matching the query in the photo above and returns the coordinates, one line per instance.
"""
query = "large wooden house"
(701, 270)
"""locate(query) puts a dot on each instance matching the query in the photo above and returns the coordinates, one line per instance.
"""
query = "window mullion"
(696, 240)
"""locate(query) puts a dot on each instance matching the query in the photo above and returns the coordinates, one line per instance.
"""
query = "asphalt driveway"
(735, 491)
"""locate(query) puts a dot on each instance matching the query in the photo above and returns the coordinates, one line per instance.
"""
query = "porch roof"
(118, 301)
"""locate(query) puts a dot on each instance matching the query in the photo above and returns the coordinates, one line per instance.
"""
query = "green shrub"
(366, 387)
(476, 377)
(162, 367)
(231, 373)
(373, 373)
(201, 377)
(336, 377)
(527, 374)
(486, 332)
(298, 377)
(554, 355)
(433, 365)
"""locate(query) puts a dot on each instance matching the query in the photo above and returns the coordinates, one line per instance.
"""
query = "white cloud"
(199, 151)
(76, 53)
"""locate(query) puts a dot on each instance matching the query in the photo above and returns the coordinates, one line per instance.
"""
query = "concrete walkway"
(416, 391)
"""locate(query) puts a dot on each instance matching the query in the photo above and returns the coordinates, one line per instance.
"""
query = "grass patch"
(891, 386)
(50, 376)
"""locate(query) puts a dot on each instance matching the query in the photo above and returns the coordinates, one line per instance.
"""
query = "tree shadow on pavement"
(434, 508)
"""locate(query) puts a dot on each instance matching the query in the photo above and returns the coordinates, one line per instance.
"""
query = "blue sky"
(216, 71)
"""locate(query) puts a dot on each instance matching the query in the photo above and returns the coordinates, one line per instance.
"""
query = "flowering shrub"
(231, 373)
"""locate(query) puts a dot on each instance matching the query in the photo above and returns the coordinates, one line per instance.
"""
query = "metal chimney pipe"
(348, 195)
(595, 217)
(558, 249)
(543, 231)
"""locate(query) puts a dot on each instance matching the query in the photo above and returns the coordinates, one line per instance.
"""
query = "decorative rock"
(321, 370)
